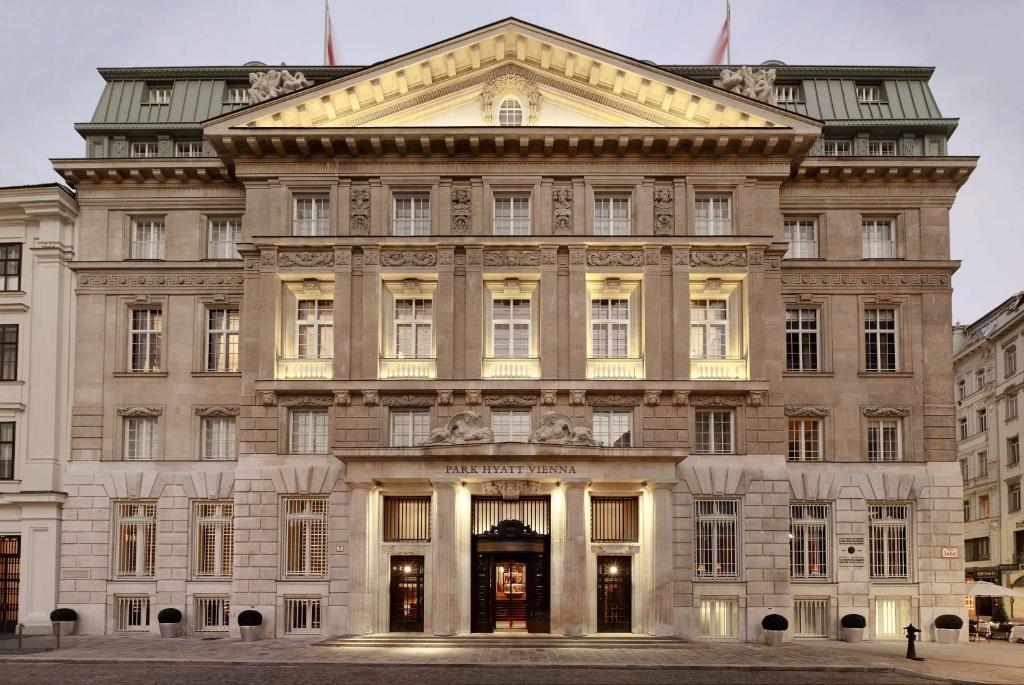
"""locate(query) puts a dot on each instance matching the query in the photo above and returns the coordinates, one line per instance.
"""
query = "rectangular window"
(1013, 451)
(9, 352)
(414, 328)
(189, 148)
(222, 332)
(612, 215)
(982, 464)
(715, 538)
(312, 216)
(885, 440)
(135, 539)
(511, 215)
(7, 450)
(968, 510)
(963, 469)
(145, 149)
(837, 148)
(609, 328)
(510, 425)
(984, 510)
(236, 95)
(889, 541)
(218, 438)
(713, 215)
(147, 239)
(802, 236)
(880, 340)
(714, 432)
(810, 617)
(961, 389)
(511, 321)
(409, 428)
(412, 214)
(878, 239)
(407, 519)
(159, 95)
(976, 549)
(787, 93)
(315, 329)
(962, 427)
(1011, 406)
(802, 336)
(305, 537)
(719, 619)
(892, 615)
(869, 92)
(613, 428)
(141, 440)
(302, 615)
(1010, 361)
(223, 238)
(144, 339)
(804, 440)
(307, 432)
(979, 380)
(213, 553)
(132, 614)
(808, 541)
(213, 614)
(882, 148)
(10, 267)
(1013, 496)
(982, 417)
(614, 519)
(709, 329)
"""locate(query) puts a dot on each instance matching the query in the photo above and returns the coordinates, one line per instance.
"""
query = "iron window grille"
(213, 614)
(889, 541)
(131, 614)
(719, 619)
(809, 534)
(810, 617)
(535, 512)
(303, 615)
(305, 538)
(135, 536)
(715, 539)
(407, 518)
(214, 543)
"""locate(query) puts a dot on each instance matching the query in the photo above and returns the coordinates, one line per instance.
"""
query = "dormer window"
(236, 95)
(159, 95)
(869, 93)
(787, 93)
(510, 112)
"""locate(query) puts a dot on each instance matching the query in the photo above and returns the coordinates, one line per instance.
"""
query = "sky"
(53, 47)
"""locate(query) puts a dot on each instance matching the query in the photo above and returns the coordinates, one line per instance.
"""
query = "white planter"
(853, 634)
(168, 630)
(250, 633)
(65, 628)
(947, 636)
(773, 638)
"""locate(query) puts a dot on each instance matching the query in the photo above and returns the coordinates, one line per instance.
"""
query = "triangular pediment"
(547, 79)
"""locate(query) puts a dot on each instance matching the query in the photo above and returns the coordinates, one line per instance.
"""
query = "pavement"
(88, 659)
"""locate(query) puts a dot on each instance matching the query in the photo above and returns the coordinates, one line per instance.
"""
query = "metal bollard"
(912, 632)
(21, 632)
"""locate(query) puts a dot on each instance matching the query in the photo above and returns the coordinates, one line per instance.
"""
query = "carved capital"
(445, 398)
(370, 398)
(548, 398)
(473, 397)
(342, 398)
(652, 398)
(681, 398)
(577, 398)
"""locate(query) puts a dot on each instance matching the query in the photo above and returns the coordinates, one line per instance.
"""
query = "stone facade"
(658, 193)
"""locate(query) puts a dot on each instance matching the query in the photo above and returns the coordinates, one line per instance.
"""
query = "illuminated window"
(614, 519)
(315, 329)
(715, 538)
(808, 541)
(511, 336)
(510, 112)
(214, 542)
(414, 324)
(609, 327)
(810, 617)
(892, 615)
(304, 539)
(135, 539)
(709, 329)
(407, 519)
(719, 618)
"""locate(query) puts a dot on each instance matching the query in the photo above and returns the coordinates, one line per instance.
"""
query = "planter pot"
(947, 636)
(853, 634)
(250, 633)
(773, 638)
(168, 630)
(65, 628)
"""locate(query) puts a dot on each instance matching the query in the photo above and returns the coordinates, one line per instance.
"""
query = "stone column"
(579, 306)
(574, 560)
(661, 559)
(445, 583)
(360, 551)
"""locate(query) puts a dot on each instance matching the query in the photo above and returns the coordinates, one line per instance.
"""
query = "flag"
(722, 44)
(328, 36)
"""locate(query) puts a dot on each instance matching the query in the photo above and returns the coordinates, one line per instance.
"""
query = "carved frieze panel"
(509, 400)
(139, 412)
(718, 258)
(806, 411)
(664, 212)
(306, 400)
(614, 258)
(716, 401)
(511, 258)
(510, 489)
(305, 259)
(409, 400)
(371, 256)
(876, 412)
(217, 411)
(94, 281)
(408, 258)
(561, 209)
(614, 400)
(462, 209)
(359, 210)
(862, 280)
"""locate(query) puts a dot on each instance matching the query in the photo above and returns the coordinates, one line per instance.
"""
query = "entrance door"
(614, 605)
(406, 595)
(510, 595)
(10, 570)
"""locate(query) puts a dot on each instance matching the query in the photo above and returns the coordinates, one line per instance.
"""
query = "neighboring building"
(988, 378)
(36, 325)
(511, 340)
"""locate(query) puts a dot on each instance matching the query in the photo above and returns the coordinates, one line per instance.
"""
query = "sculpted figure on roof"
(756, 84)
(264, 85)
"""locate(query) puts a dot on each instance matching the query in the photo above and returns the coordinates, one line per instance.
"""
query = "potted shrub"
(947, 628)
(249, 622)
(853, 627)
(63, 621)
(774, 627)
(169, 619)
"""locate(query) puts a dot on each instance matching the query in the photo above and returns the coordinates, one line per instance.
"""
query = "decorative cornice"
(217, 411)
(139, 412)
(886, 412)
(847, 280)
(131, 281)
(806, 411)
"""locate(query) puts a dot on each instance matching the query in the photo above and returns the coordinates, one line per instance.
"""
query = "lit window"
(614, 519)
(132, 614)
(719, 619)
(609, 328)
(305, 537)
(141, 441)
(218, 438)
(882, 148)
(135, 536)
(802, 236)
(715, 538)
(412, 214)
(9, 352)
(892, 615)
(144, 339)
(189, 148)
(315, 329)
(885, 440)
(889, 540)
(811, 617)
(223, 239)
(7, 450)
(511, 425)
(836, 148)
(312, 216)
(709, 329)
(878, 238)
(612, 215)
(511, 321)
(307, 433)
(613, 428)
(303, 615)
(409, 428)
(214, 542)
(145, 149)
(159, 95)
(808, 541)
(414, 326)
(510, 112)
(512, 215)
(10, 267)
(222, 339)
(407, 519)
(802, 339)
(880, 340)
(869, 93)
(804, 440)
(714, 432)
(713, 215)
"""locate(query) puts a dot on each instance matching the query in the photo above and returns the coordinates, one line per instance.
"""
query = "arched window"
(510, 113)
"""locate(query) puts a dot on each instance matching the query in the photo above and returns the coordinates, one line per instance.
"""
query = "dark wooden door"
(406, 595)
(482, 600)
(614, 596)
(538, 593)
(10, 572)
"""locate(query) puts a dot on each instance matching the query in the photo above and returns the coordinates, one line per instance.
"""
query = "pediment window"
(510, 100)
(510, 113)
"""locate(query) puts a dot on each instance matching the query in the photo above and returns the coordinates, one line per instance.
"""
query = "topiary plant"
(67, 615)
(774, 622)
(854, 621)
(949, 622)
(999, 612)
(169, 615)
(250, 617)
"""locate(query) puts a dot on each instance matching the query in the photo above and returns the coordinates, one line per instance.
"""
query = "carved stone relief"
(561, 209)
(664, 216)
(559, 429)
(755, 398)
(886, 412)
(408, 258)
(681, 398)
(445, 398)
(718, 258)
(757, 84)
(217, 411)
(652, 398)
(371, 398)
(266, 398)
(806, 411)
(359, 210)
(548, 398)
(494, 400)
(139, 412)
(305, 259)
(306, 400)
(462, 209)
(342, 398)
(614, 400)
(715, 401)
(265, 85)
(464, 427)
(577, 398)
(408, 400)
(511, 84)
(511, 258)
(510, 489)
(616, 258)
(473, 397)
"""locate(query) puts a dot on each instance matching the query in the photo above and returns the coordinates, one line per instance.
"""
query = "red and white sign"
(950, 552)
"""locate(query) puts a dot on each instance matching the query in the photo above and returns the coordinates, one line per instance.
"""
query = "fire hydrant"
(911, 639)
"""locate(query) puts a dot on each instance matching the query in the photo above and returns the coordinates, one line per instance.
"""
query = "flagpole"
(728, 33)
(327, 26)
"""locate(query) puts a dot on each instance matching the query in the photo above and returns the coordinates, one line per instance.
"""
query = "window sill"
(885, 374)
(12, 294)
(812, 581)
(140, 374)
(216, 374)
(13, 381)
(808, 374)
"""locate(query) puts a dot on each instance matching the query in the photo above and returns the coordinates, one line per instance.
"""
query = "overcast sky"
(52, 48)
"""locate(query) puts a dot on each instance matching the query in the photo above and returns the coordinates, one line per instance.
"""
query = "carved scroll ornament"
(886, 412)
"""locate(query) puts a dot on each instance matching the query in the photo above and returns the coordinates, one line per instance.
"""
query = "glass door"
(10, 570)
(406, 595)
(509, 595)
(614, 595)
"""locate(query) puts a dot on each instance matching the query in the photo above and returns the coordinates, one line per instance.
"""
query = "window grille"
(804, 440)
(135, 535)
(214, 526)
(407, 519)
(882, 148)
(237, 95)
(144, 338)
(131, 614)
(9, 352)
(709, 329)
(615, 519)
(802, 236)
(609, 324)
(412, 214)
(535, 512)
(302, 615)
(414, 328)
(308, 431)
(892, 615)
(409, 428)
(510, 113)
(719, 619)
(224, 237)
(10, 267)
(6, 450)
(612, 215)
(713, 215)
(222, 331)
(189, 148)
(809, 536)
(810, 617)
(802, 336)
(147, 239)
(512, 214)
(715, 538)
(837, 148)
(305, 539)
(511, 322)
(1013, 451)
(714, 432)
(510, 425)
(889, 541)
(885, 440)
(141, 439)
(614, 428)
(880, 340)
(312, 216)
(1010, 361)
(145, 149)
(213, 614)
(878, 239)
(315, 329)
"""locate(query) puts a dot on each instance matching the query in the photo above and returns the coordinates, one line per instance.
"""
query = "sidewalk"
(995, 662)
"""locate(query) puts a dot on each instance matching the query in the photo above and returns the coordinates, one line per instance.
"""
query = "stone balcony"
(618, 368)
(522, 367)
(299, 369)
(398, 368)
(719, 368)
